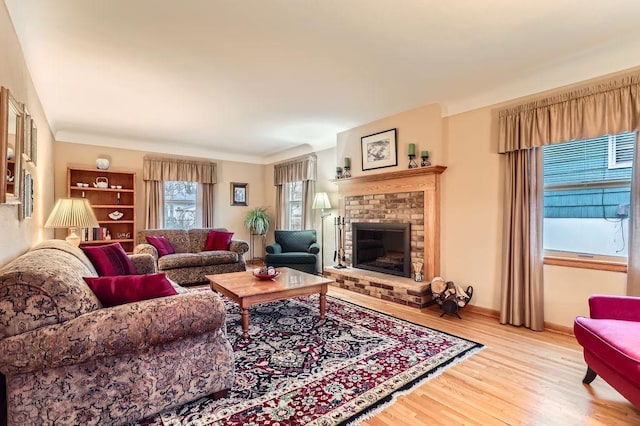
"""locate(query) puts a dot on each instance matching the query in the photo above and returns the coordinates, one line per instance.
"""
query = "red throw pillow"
(112, 291)
(161, 244)
(218, 240)
(110, 259)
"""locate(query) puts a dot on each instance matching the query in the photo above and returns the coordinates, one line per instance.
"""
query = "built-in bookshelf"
(112, 195)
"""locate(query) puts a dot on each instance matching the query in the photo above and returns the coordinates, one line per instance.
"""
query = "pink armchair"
(611, 342)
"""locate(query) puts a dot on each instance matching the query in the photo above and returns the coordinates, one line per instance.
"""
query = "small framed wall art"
(239, 194)
(379, 150)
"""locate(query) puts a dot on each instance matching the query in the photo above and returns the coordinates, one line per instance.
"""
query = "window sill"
(598, 264)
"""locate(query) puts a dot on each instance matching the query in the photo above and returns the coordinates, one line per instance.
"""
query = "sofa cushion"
(118, 290)
(179, 260)
(613, 341)
(292, 257)
(161, 243)
(218, 257)
(218, 240)
(110, 259)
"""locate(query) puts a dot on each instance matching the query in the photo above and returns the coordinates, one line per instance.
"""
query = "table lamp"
(321, 201)
(72, 213)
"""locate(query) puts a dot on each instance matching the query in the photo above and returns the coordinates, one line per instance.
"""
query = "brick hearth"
(382, 286)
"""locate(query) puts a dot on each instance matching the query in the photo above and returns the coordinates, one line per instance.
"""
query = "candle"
(424, 154)
(347, 162)
(412, 149)
(338, 169)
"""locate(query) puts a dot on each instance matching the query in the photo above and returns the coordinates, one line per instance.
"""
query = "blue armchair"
(294, 249)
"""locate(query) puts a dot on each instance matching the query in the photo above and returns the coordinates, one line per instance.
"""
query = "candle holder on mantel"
(339, 173)
(425, 160)
(346, 173)
(412, 161)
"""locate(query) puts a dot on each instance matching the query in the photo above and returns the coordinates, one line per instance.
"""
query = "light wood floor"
(521, 377)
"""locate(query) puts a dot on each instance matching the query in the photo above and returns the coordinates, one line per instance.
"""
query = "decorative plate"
(116, 215)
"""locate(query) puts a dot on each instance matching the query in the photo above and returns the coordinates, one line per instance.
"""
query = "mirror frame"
(7, 102)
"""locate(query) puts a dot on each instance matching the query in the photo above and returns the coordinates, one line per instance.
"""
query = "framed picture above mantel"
(379, 150)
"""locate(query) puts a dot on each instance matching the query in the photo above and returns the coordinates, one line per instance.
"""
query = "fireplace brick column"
(411, 195)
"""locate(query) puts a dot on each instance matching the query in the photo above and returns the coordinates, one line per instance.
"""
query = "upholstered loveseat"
(66, 359)
(190, 263)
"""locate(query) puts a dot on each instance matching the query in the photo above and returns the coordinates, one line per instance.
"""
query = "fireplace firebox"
(382, 247)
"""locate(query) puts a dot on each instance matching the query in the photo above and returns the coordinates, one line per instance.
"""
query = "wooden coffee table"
(247, 290)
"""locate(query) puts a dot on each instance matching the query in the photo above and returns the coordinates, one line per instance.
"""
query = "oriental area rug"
(294, 371)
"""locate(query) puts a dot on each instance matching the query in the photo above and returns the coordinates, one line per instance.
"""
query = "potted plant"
(257, 221)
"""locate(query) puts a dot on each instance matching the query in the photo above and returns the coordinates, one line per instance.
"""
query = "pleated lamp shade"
(321, 201)
(72, 213)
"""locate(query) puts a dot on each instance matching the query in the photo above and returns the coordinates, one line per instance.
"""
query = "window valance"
(602, 109)
(295, 170)
(163, 169)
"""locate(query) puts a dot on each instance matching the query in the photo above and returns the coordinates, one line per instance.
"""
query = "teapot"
(101, 182)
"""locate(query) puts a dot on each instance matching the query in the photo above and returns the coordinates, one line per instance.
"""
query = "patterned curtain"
(157, 170)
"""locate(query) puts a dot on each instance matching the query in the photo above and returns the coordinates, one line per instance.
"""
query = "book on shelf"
(95, 234)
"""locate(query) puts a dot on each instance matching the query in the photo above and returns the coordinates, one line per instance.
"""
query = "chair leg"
(590, 376)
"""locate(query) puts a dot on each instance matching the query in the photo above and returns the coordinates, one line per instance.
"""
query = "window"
(587, 188)
(293, 191)
(181, 205)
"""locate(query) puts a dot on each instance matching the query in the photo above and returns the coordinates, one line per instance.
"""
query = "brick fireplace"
(407, 196)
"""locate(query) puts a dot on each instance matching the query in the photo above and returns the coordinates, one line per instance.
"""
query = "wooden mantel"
(425, 179)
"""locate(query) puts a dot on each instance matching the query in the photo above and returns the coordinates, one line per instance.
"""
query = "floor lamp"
(321, 201)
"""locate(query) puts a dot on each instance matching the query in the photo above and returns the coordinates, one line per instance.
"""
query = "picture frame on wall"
(239, 194)
(26, 196)
(379, 150)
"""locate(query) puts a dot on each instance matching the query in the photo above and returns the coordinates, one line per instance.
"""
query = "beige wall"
(18, 236)
(227, 216)
(422, 126)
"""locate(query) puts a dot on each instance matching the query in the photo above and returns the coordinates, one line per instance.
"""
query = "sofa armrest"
(146, 249)
(314, 248)
(625, 308)
(239, 246)
(144, 263)
(274, 248)
(122, 329)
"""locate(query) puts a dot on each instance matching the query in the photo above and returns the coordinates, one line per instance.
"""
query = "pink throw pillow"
(218, 240)
(162, 244)
(112, 291)
(110, 259)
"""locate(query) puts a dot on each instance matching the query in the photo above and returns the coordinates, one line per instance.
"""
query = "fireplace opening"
(382, 247)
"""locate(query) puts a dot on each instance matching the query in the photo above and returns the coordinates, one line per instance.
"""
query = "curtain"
(308, 193)
(301, 169)
(281, 209)
(602, 109)
(153, 202)
(608, 108)
(208, 203)
(522, 283)
(633, 261)
(157, 170)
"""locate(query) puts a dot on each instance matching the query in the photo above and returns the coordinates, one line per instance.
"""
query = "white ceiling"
(255, 80)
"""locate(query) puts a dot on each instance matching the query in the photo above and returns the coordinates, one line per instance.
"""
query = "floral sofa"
(190, 263)
(66, 359)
